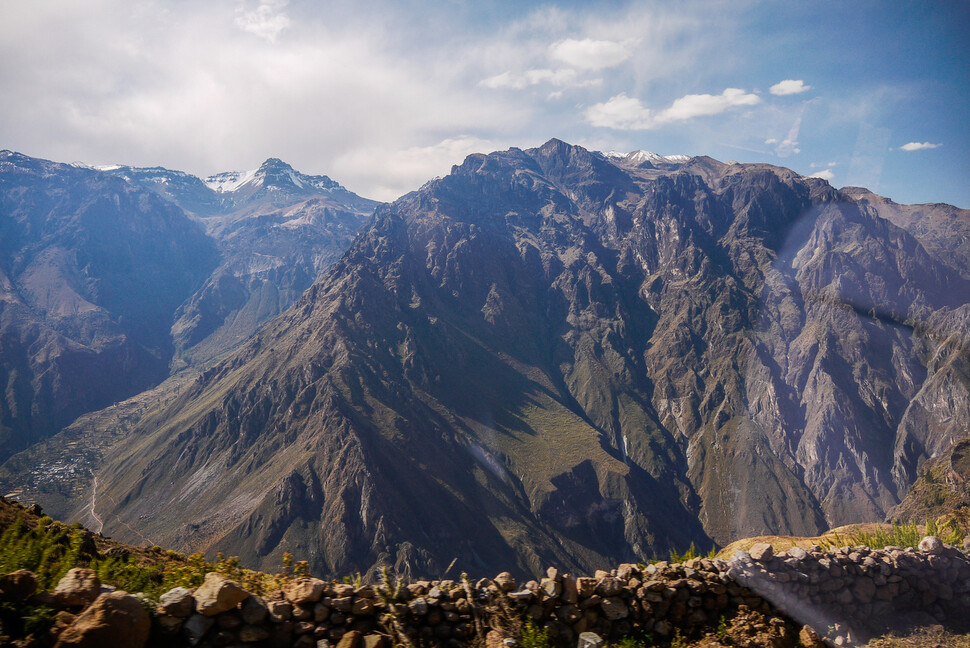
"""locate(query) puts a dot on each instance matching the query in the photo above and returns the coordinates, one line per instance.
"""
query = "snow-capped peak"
(273, 174)
(640, 156)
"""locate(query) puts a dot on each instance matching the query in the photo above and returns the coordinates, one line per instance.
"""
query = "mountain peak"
(640, 157)
(274, 164)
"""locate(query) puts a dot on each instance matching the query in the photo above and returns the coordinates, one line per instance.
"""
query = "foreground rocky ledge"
(757, 598)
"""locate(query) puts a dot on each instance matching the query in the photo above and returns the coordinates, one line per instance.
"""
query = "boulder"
(17, 586)
(218, 594)
(113, 620)
(79, 586)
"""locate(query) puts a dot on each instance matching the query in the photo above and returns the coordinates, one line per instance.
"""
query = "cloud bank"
(628, 113)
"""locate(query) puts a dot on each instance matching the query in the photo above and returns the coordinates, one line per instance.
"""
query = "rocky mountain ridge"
(552, 355)
(108, 287)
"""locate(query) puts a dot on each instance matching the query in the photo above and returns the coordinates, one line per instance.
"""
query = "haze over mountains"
(105, 283)
(550, 356)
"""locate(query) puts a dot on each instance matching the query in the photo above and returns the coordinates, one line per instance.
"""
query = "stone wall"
(854, 592)
(844, 595)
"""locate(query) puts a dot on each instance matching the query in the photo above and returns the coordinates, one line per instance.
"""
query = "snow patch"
(229, 181)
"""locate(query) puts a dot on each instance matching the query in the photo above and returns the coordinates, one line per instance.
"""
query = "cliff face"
(91, 270)
(552, 356)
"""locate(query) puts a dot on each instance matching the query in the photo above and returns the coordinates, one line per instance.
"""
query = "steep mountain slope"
(91, 271)
(277, 230)
(567, 358)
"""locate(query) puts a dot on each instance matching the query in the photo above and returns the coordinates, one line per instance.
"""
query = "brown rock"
(17, 586)
(505, 582)
(762, 552)
(570, 590)
(494, 639)
(113, 620)
(362, 607)
(218, 594)
(279, 611)
(586, 586)
(169, 624)
(350, 640)
(304, 590)
(79, 586)
(809, 638)
(375, 641)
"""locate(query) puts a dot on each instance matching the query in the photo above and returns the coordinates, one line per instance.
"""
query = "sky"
(383, 96)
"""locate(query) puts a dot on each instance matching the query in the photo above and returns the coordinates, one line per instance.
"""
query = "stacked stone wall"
(845, 595)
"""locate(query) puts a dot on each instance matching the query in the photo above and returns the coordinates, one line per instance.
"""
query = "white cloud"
(564, 78)
(267, 20)
(918, 146)
(406, 169)
(789, 145)
(789, 87)
(628, 113)
(589, 54)
(824, 175)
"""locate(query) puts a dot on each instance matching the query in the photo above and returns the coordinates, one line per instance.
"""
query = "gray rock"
(195, 628)
(550, 587)
(589, 640)
(177, 602)
(614, 608)
(931, 545)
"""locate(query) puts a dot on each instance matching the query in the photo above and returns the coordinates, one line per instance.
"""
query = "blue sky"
(382, 96)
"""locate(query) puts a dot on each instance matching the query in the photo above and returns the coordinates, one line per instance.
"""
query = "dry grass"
(928, 637)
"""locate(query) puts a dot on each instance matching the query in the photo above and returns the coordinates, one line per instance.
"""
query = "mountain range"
(111, 279)
(558, 356)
